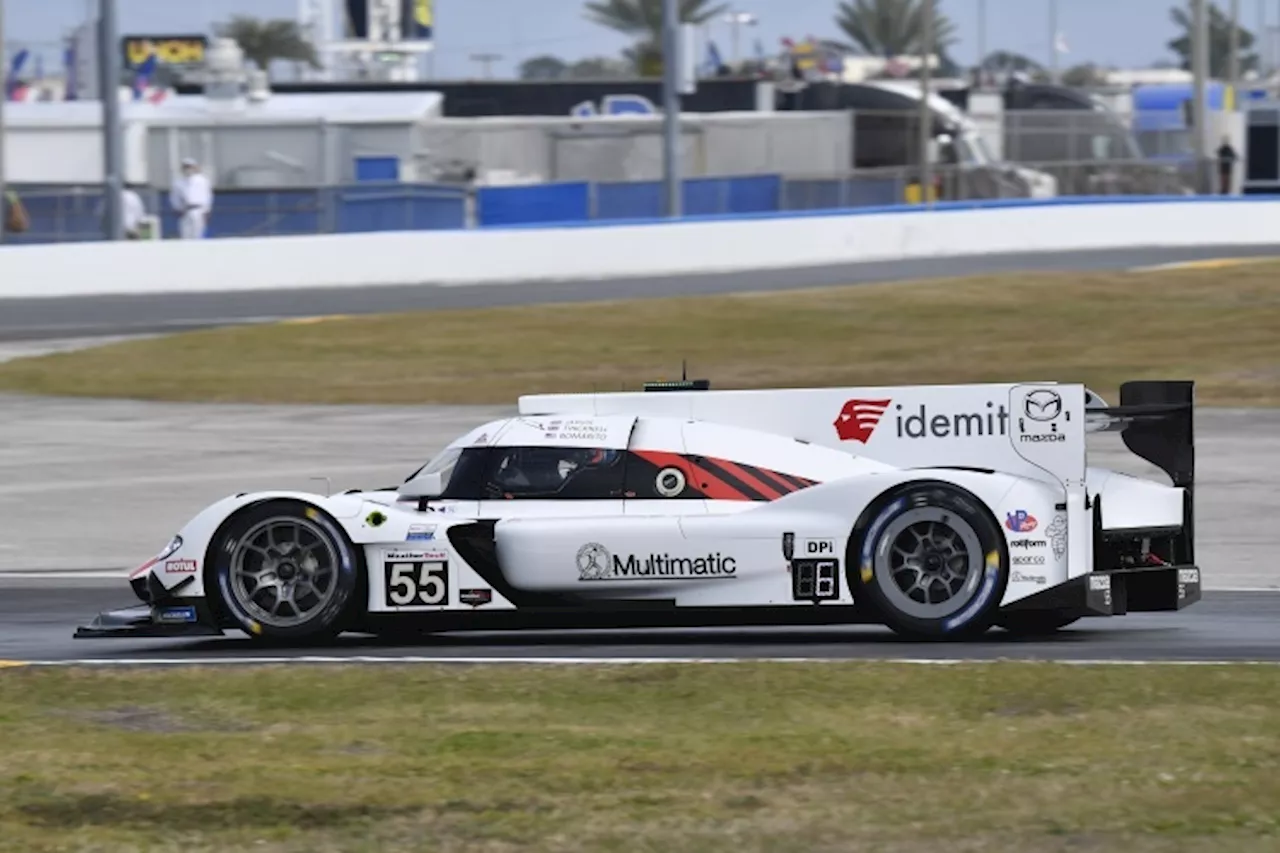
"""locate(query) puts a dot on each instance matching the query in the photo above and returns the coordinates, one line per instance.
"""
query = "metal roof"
(340, 108)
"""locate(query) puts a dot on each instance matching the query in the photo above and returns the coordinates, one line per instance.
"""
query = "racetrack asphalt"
(29, 319)
(37, 621)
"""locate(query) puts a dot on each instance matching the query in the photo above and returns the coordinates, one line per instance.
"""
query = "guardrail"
(519, 254)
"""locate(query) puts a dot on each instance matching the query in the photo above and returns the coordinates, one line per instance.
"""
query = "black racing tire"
(285, 549)
(1035, 623)
(931, 561)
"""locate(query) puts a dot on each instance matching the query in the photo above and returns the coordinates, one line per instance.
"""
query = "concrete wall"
(511, 257)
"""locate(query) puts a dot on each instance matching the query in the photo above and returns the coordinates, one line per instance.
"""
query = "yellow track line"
(1207, 264)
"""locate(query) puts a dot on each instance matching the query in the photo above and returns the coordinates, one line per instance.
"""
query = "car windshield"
(443, 464)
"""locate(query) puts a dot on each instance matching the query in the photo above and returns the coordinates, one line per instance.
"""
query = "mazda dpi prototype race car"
(939, 511)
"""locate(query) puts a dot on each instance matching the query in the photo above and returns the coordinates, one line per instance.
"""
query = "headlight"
(174, 544)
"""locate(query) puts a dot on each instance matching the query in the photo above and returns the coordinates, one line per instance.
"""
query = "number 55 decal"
(417, 584)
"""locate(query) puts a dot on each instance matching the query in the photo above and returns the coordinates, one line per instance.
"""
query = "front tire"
(932, 562)
(285, 571)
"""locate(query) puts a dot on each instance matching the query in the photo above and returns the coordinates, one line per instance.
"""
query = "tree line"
(882, 28)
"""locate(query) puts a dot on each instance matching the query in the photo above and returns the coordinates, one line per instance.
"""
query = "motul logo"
(858, 419)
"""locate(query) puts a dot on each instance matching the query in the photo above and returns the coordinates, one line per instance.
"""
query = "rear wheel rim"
(929, 563)
(284, 571)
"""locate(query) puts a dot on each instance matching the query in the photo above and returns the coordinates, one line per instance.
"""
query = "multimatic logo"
(596, 563)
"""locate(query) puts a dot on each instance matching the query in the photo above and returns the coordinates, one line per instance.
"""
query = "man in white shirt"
(133, 212)
(192, 198)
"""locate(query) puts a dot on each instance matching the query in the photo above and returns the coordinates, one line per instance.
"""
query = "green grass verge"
(1220, 327)
(884, 757)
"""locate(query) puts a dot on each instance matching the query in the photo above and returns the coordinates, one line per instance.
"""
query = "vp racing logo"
(859, 419)
(596, 563)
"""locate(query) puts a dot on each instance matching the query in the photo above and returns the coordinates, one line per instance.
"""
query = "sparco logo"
(595, 563)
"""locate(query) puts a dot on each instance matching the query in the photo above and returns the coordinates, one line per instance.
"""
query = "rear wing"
(1156, 421)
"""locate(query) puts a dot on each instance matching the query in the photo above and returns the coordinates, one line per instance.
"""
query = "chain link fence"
(66, 214)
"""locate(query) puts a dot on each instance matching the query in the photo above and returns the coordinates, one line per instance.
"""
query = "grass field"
(1220, 327)
(742, 757)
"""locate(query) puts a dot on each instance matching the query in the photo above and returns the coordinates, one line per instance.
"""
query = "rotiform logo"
(923, 423)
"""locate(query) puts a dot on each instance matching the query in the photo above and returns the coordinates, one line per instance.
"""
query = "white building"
(276, 141)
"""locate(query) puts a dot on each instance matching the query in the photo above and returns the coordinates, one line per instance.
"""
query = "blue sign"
(616, 105)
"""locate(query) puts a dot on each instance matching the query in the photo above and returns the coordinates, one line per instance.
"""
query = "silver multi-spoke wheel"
(284, 571)
(930, 562)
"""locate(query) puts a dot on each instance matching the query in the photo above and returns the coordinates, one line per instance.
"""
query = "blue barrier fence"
(60, 214)
(583, 201)
(71, 214)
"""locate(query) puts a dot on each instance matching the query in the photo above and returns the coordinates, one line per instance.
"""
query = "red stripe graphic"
(767, 489)
(779, 481)
(710, 486)
(714, 488)
(770, 485)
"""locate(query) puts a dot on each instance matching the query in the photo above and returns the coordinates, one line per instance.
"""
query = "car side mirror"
(422, 487)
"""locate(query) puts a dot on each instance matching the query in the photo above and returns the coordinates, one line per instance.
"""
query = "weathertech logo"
(858, 419)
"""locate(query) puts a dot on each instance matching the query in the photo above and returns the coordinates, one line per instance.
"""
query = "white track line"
(588, 661)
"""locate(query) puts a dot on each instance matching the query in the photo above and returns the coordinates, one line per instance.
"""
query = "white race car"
(936, 510)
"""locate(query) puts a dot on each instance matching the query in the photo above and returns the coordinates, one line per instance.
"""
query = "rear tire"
(1035, 623)
(286, 572)
(932, 562)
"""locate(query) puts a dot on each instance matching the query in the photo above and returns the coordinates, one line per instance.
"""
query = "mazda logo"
(1042, 405)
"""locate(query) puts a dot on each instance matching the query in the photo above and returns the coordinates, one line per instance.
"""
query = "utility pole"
(4, 195)
(671, 106)
(1053, 42)
(486, 61)
(1233, 55)
(926, 115)
(982, 40)
(112, 140)
(1264, 42)
(1199, 68)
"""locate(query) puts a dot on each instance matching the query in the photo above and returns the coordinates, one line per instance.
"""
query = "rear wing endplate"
(1156, 421)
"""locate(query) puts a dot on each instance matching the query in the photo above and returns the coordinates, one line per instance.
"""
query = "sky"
(1123, 33)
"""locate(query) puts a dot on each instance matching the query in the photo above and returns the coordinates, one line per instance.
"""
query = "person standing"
(192, 198)
(134, 211)
(1227, 158)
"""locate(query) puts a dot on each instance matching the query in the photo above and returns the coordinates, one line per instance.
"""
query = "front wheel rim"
(284, 571)
(930, 563)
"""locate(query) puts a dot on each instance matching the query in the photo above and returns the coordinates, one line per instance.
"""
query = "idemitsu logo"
(858, 419)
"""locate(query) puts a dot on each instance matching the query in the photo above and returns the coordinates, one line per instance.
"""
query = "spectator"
(133, 211)
(192, 198)
(15, 214)
(1226, 165)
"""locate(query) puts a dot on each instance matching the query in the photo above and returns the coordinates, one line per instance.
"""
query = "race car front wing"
(161, 614)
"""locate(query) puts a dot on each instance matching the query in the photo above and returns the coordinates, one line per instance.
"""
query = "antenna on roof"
(684, 370)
